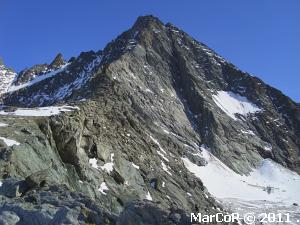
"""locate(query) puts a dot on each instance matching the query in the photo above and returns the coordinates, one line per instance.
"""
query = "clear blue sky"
(261, 37)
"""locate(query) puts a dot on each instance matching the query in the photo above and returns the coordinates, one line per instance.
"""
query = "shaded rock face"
(56, 83)
(147, 100)
(30, 74)
(57, 62)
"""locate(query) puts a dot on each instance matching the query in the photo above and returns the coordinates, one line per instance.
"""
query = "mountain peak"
(147, 21)
(154, 102)
(57, 62)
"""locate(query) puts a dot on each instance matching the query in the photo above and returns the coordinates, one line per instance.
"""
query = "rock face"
(39, 70)
(153, 96)
(48, 84)
(6, 77)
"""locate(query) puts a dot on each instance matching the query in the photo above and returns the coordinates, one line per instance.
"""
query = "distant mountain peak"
(57, 62)
(37, 70)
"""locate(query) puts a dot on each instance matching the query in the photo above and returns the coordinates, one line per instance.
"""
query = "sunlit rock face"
(6, 77)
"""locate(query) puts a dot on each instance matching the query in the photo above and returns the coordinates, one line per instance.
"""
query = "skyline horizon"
(95, 50)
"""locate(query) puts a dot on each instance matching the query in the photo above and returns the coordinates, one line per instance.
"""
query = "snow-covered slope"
(37, 79)
(9, 142)
(40, 111)
(268, 182)
(39, 70)
(55, 85)
(233, 104)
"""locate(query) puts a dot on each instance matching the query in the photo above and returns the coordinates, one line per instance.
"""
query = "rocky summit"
(150, 129)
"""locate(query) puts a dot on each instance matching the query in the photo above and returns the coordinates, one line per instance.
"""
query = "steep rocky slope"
(7, 76)
(38, 70)
(149, 111)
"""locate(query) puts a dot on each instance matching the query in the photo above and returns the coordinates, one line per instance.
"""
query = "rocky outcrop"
(58, 62)
(53, 205)
(60, 151)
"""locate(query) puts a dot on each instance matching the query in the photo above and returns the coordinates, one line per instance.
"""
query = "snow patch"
(166, 131)
(135, 166)
(268, 147)
(161, 151)
(148, 90)
(233, 104)
(9, 142)
(93, 163)
(148, 196)
(268, 182)
(250, 132)
(41, 111)
(3, 124)
(109, 167)
(103, 188)
(165, 168)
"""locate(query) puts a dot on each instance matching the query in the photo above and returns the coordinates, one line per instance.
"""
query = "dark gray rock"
(38, 179)
(58, 62)
(142, 213)
(12, 188)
